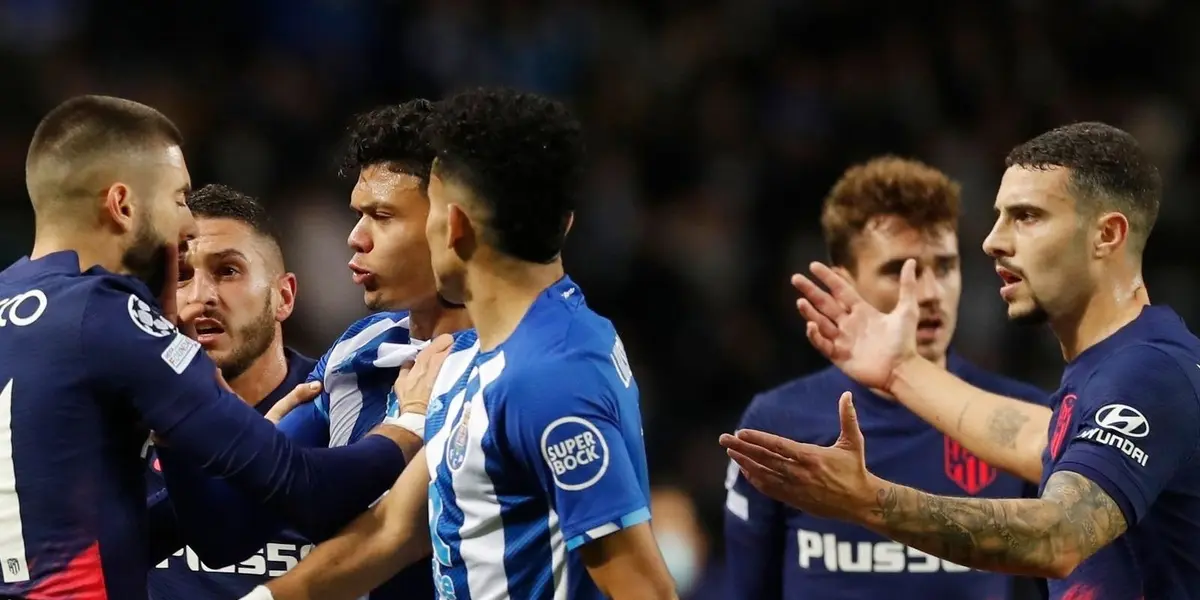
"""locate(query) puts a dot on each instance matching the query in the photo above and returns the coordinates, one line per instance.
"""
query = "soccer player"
(90, 360)
(235, 269)
(534, 477)
(877, 216)
(1119, 512)
(391, 160)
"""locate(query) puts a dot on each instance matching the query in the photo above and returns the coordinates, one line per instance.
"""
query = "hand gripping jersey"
(87, 367)
(1127, 417)
(775, 552)
(534, 449)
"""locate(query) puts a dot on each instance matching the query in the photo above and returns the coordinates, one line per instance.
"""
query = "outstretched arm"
(1043, 537)
(377, 545)
(1006, 433)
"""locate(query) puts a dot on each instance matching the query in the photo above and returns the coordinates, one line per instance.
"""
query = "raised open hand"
(863, 342)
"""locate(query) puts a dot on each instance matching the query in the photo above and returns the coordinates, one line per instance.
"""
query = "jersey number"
(12, 541)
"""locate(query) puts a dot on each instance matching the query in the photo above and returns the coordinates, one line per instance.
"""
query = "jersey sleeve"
(133, 355)
(307, 425)
(568, 429)
(754, 528)
(1141, 422)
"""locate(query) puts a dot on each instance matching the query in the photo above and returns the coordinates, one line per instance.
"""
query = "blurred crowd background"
(715, 129)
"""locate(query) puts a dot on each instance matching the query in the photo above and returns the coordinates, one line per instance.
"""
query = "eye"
(228, 271)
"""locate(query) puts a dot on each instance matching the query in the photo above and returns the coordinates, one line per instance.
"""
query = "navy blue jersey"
(1127, 417)
(775, 551)
(534, 449)
(357, 374)
(87, 367)
(183, 575)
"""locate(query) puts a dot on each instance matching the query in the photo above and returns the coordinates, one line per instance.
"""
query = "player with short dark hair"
(389, 157)
(1119, 512)
(235, 270)
(533, 482)
(90, 359)
(878, 215)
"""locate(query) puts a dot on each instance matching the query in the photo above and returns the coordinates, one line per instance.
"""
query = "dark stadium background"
(715, 128)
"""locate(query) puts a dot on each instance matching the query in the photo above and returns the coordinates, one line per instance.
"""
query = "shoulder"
(795, 404)
(1147, 365)
(362, 332)
(998, 384)
(121, 299)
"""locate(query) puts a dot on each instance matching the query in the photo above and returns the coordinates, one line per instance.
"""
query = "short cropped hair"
(217, 201)
(522, 157)
(85, 129)
(921, 195)
(393, 136)
(1108, 171)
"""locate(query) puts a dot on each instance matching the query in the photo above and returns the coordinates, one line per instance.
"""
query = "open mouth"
(359, 274)
(928, 328)
(208, 329)
(1007, 276)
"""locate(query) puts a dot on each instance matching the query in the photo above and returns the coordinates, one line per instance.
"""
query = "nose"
(997, 243)
(202, 288)
(929, 288)
(360, 239)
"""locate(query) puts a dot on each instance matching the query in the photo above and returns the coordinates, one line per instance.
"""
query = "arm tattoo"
(1004, 425)
(1071, 521)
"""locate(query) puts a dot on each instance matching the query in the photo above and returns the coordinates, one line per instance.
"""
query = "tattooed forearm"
(1004, 426)
(1044, 537)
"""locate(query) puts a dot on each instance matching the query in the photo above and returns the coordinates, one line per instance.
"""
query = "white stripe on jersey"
(482, 531)
(12, 540)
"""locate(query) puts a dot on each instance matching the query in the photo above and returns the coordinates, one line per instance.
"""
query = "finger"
(442, 342)
(763, 479)
(841, 289)
(759, 454)
(908, 285)
(823, 344)
(822, 300)
(779, 445)
(300, 394)
(851, 435)
(829, 329)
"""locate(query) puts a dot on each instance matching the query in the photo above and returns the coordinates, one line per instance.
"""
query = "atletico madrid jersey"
(775, 552)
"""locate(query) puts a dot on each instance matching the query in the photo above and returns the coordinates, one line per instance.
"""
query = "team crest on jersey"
(966, 470)
(147, 319)
(456, 444)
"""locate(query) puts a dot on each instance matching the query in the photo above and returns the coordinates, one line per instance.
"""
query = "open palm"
(863, 342)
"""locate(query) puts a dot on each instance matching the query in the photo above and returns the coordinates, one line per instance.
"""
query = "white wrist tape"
(259, 593)
(414, 422)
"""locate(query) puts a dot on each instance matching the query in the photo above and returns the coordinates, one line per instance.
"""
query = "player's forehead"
(1045, 188)
(888, 237)
(225, 239)
(379, 185)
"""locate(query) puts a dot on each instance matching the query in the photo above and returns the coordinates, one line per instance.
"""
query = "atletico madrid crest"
(966, 470)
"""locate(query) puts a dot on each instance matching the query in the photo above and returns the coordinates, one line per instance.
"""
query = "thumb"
(851, 436)
(908, 286)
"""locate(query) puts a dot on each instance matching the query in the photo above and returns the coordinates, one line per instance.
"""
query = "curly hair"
(1108, 171)
(921, 195)
(522, 157)
(392, 135)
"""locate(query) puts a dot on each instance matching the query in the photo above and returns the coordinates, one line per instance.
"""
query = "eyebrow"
(226, 254)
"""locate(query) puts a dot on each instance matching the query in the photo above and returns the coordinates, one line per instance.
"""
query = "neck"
(92, 251)
(428, 323)
(1113, 306)
(265, 374)
(500, 292)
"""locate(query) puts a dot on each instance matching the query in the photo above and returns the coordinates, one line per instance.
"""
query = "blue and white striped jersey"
(534, 449)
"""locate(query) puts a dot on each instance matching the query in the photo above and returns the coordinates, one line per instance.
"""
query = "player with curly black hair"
(389, 156)
(534, 484)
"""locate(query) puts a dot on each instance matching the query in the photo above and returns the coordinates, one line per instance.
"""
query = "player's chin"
(933, 350)
(1026, 311)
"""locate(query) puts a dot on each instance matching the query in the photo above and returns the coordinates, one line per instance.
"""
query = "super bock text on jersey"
(775, 552)
(534, 449)
(88, 366)
(1127, 418)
